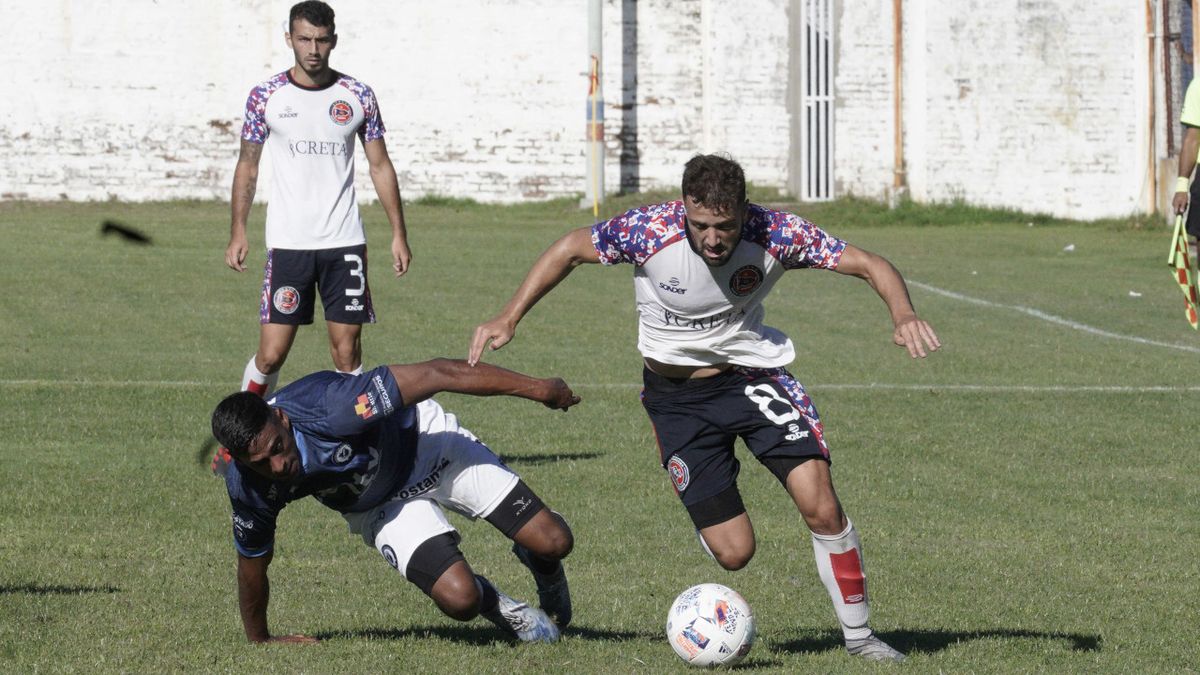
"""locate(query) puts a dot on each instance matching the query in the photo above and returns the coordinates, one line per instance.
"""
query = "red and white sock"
(257, 381)
(840, 565)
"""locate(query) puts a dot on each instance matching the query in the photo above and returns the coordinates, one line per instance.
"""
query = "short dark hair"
(237, 419)
(315, 12)
(716, 181)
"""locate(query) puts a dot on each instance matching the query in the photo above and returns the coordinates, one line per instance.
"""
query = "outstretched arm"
(911, 331)
(563, 256)
(254, 591)
(419, 381)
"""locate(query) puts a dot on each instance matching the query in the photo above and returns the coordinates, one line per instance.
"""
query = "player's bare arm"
(245, 182)
(1187, 163)
(911, 332)
(572, 250)
(254, 591)
(419, 381)
(387, 187)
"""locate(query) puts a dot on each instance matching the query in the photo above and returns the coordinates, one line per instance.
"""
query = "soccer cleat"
(553, 593)
(220, 462)
(521, 621)
(872, 648)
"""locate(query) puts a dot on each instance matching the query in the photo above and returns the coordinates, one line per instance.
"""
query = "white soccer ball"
(710, 625)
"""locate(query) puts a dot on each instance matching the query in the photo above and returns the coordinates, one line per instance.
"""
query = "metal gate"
(816, 100)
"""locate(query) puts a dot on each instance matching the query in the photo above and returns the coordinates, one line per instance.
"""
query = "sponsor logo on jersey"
(343, 453)
(385, 401)
(341, 113)
(678, 470)
(288, 113)
(672, 286)
(364, 406)
(286, 299)
(707, 323)
(318, 148)
(390, 556)
(355, 306)
(745, 280)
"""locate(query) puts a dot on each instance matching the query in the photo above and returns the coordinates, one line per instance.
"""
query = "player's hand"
(1180, 202)
(915, 335)
(235, 254)
(401, 255)
(497, 331)
(296, 639)
(558, 395)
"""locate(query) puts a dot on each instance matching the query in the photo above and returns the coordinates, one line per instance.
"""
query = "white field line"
(984, 388)
(1038, 314)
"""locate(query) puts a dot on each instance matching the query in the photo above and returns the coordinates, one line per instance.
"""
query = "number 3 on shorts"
(356, 272)
(764, 395)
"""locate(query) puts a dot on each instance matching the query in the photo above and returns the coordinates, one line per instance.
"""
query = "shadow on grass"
(40, 589)
(475, 633)
(929, 641)
(547, 459)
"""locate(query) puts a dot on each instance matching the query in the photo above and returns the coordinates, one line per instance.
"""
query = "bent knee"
(735, 560)
(457, 596)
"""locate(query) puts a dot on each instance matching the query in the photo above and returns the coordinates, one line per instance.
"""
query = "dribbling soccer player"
(714, 372)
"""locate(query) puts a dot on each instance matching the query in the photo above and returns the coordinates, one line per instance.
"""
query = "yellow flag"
(1184, 268)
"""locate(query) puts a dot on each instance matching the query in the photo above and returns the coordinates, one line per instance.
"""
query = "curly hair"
(716, 181)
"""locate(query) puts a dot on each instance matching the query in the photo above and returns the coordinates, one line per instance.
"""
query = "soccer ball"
(710, 625)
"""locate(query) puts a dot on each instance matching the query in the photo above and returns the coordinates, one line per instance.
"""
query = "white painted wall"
(1030, 104)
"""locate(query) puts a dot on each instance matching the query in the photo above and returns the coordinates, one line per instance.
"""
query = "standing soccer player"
(713, 372)
(308, 117)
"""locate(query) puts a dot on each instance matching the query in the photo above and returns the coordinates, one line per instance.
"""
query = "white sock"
(356, 371)
(257, 381)
(840, 565)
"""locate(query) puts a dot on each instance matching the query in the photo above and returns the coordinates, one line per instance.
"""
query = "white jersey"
(309, 136)
(691, 314)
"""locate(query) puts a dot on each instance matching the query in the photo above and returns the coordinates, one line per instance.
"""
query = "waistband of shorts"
(655, 382)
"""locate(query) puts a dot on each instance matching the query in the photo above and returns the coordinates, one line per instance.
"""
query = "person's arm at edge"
(387, 188)
(1187, 162)
(245, 183)
(563, 256)
(254, 592)
(419, 381)
(910, 331)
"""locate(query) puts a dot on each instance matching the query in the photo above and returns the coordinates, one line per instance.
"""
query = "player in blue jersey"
(379, 450)
(715, 372)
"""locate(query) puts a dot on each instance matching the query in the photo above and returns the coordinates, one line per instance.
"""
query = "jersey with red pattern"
(309, 136)
(692, 314)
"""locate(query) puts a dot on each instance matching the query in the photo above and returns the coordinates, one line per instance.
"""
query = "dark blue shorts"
(696, 422)
(292, 279)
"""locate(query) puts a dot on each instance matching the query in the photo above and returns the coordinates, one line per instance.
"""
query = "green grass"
(1020, 511)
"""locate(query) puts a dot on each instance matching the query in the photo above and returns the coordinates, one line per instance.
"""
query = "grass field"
(1026, 496)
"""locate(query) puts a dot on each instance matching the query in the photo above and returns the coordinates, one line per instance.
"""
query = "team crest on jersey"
(390, 556)
(343, 453)
(680, 476)
(341, 113)
(745, 280)
(364, 407)
(286, 299)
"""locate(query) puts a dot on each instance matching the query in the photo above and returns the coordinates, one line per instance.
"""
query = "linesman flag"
(1185, 272)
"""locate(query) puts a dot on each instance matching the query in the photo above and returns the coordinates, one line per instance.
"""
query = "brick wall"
(1033, 104)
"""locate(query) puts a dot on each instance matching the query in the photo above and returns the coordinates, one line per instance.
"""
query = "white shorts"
(453, 469)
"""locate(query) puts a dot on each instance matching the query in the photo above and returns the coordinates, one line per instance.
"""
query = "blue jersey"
(357, 443)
